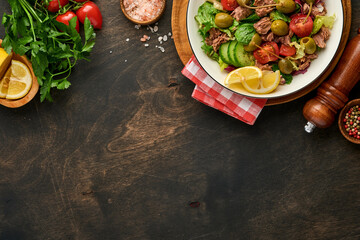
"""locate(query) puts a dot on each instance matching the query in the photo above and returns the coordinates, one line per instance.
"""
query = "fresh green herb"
(288, 77)
(244, 33)
(276, 15)
(53, 48)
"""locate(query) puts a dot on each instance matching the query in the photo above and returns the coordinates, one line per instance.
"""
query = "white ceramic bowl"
(318, 66)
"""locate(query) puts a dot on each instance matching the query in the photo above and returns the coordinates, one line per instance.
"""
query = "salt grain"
(127, 39)
(110, 52)
(137, 26)
(156, 28)
(169, 34)
(146, 44)
(165, 38)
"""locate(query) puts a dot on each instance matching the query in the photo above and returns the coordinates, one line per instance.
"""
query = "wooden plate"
(178, 23)
(34, 88)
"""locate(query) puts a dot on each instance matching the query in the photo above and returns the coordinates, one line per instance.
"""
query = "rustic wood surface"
(126, 153)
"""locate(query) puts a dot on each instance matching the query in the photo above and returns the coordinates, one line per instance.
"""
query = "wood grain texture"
(124, 151)
(184, 49)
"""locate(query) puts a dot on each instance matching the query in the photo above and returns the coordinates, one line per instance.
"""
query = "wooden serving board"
(178, 24)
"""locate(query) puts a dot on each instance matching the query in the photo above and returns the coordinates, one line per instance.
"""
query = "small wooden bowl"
(341, 123)
(33, 90)
(143, 22)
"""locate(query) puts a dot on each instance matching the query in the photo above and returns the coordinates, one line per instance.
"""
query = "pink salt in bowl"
(143, 12)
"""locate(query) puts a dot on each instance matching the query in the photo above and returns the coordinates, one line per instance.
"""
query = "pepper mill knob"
(332, 94)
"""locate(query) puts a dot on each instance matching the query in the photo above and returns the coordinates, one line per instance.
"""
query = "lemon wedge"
(16, 82)
(251, 74)
(268, 83)
(253, 80)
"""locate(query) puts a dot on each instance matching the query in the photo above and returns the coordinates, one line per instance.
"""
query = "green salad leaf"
(206, 18)
(276, 15)
(253, 18)
(327, 21)
(244, 33)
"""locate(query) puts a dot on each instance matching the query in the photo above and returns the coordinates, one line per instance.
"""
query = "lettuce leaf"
(327, 21)
(244, 33)
(276, 15)
(206, 18)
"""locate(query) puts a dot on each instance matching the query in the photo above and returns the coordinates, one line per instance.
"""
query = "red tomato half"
(54, 5)
(299, 27)
(229, 5)
(66, 17)
(264, 55)
(90, 10)
(287, 51)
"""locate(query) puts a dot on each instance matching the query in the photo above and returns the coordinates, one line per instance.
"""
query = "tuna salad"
(285, 35)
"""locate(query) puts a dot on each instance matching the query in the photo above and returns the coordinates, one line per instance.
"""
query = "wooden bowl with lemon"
(18, 83)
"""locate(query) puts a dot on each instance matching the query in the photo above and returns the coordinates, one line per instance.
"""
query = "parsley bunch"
(53, 47)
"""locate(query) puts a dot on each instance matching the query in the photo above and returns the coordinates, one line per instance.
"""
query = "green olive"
(223, 20)
(243, 3)
(279, 28)
(310, 45)
(256, 40)
(286, 6)
(285, 66)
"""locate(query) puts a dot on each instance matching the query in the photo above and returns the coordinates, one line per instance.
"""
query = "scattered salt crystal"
(110, 52)
(156, 28)
(162, 49)
(165, 38)
(125, 60)
(137, 26)
(127, 39)
(146, 44)
(169, 34)
(160, 39)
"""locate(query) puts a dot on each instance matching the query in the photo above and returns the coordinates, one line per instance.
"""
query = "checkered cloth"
(214, 95)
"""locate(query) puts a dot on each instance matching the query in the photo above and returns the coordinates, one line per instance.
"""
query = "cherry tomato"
(299, 27)
(264, 55)
(54, 5)
(287, 51)
(90, 10)
(229, 5)
(66, 17)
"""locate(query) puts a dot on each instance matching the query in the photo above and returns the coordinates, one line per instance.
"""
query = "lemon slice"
(268, 83)
(250, 74)
(20, 80)
(4, 83)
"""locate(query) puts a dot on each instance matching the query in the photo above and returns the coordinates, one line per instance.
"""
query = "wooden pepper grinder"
(332, 94)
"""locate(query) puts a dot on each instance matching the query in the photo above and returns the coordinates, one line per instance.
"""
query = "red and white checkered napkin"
(214, 95)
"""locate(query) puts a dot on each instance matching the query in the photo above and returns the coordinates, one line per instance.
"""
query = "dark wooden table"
(123, 154)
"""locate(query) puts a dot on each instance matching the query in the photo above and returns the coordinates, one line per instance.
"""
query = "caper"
(310, 45)
(279, 27)
(286, 6)
(255, 40)
(223, 20)
(243, 3)
(285, 66)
